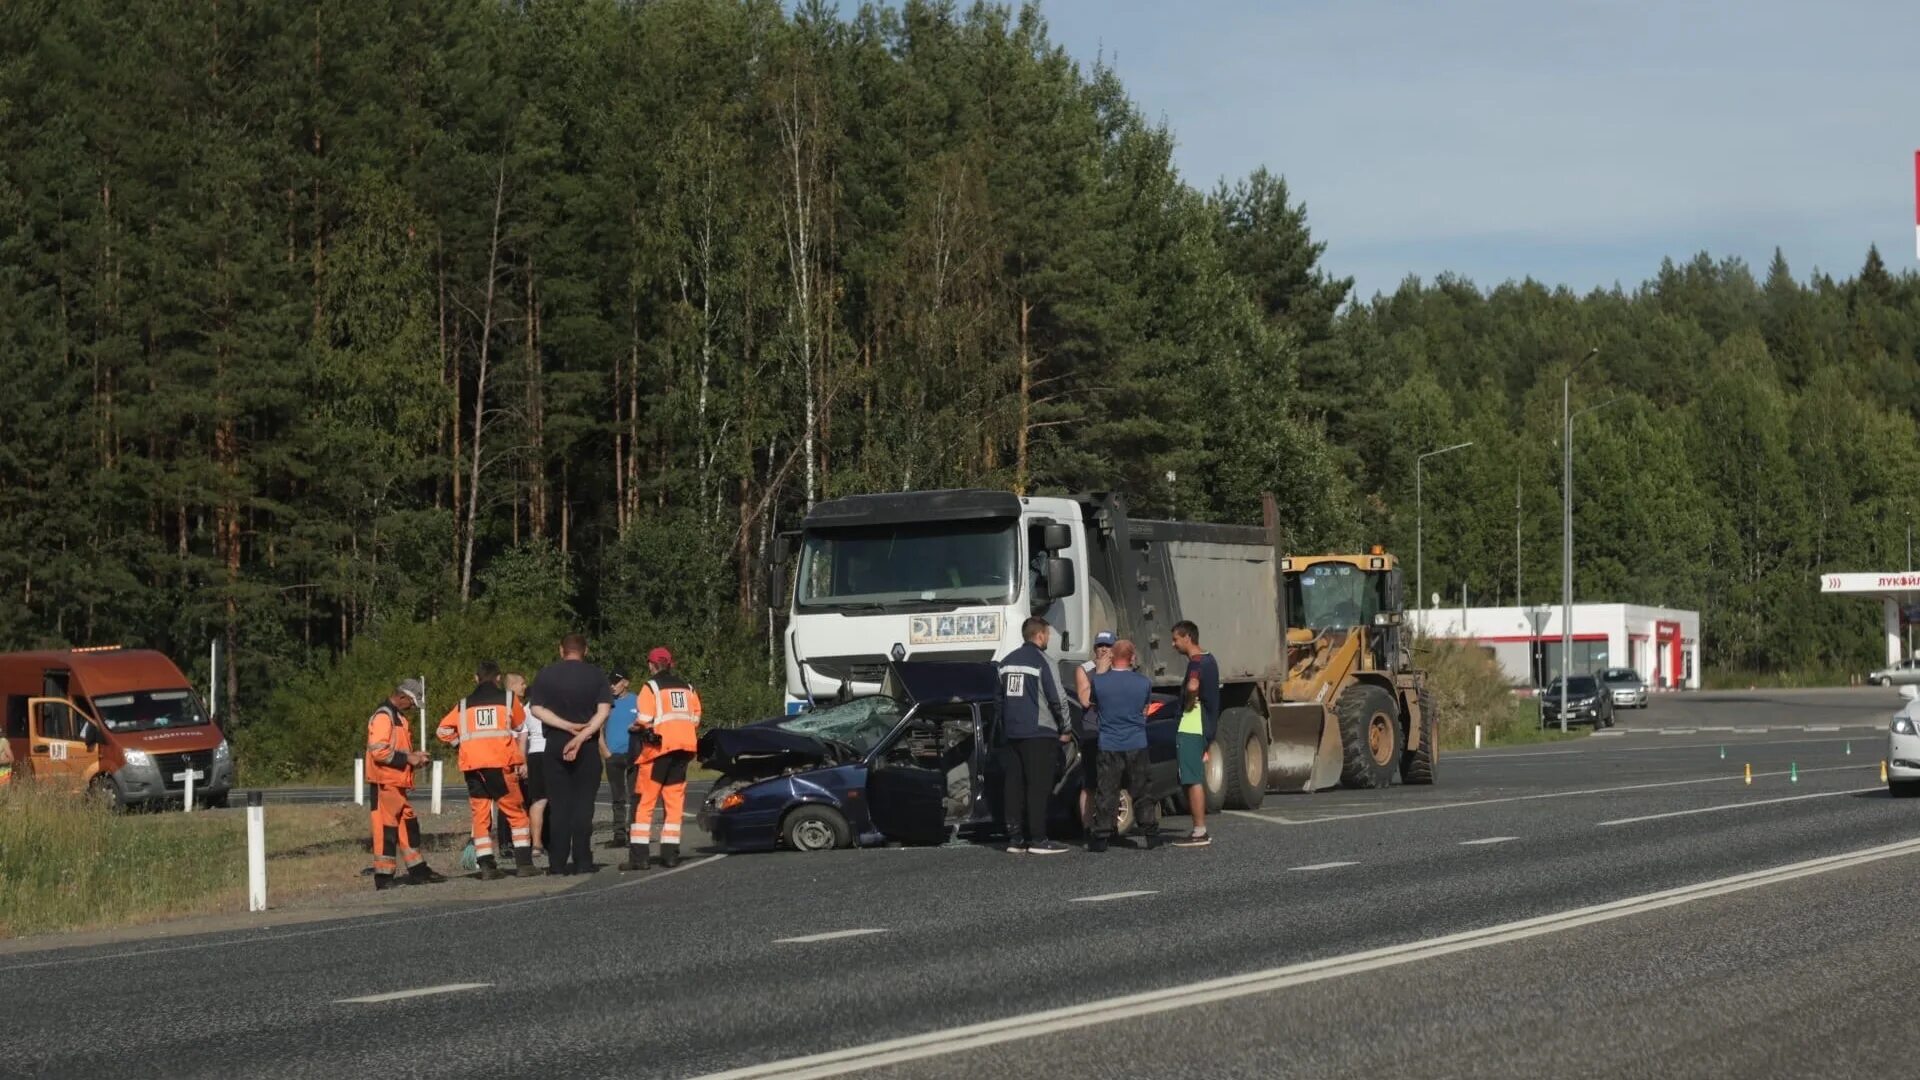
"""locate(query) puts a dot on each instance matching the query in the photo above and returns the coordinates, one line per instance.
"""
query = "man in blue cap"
(1087, 731)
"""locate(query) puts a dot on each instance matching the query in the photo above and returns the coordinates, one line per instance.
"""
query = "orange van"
(123, 724)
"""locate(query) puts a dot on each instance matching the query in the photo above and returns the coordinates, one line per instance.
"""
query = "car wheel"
(815, 828)
(102, 793)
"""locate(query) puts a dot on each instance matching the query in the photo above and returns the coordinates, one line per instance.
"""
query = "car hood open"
(763, 749)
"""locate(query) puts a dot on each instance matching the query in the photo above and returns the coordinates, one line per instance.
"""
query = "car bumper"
(741, 830)
(141, 785)
(1903, 757)
(1574, 716)
(1630, 698)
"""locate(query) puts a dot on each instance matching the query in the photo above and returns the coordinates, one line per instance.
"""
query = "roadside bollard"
(1476, 736)
(437, 765)
(256, 853)
(1723, 753)
(186, 796)
(1883, 770)
(1793, 772)
(359, 782)
(1749, 772)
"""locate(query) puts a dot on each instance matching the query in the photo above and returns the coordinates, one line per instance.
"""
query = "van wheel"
(1242, 754)
(102, 793)
(816, 828)
(218, 802)
(1369, 736)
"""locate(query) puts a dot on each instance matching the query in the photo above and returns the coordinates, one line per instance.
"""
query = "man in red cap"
(667, 726)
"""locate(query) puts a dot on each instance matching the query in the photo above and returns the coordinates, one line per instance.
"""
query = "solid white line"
(1153, 1002)
(832, 935)
(1528, 798)
(1486, 757)
(425, 991)
(1113, 896)
(1737, 806)
(1488, 840)
(356, 922)
(1324, 866)
(1821, 727)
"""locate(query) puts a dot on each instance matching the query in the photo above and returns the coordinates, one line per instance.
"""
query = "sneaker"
(1046, 847)
(1016, 847)
(1194, 840)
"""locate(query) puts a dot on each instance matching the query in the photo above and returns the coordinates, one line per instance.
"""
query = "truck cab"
(122, 724)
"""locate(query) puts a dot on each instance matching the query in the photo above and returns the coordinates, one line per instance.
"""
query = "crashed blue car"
(913, 764)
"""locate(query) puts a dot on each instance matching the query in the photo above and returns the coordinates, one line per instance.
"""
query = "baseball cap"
(661, 656)
(1104, 637)
(413, 688)
(616, 676)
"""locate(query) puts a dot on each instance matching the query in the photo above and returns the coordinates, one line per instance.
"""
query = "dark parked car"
(914, 764)
(1588, 702)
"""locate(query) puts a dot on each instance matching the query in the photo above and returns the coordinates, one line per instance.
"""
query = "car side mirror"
(1059, 578)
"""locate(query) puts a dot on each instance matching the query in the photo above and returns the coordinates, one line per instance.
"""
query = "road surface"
(1626, 905)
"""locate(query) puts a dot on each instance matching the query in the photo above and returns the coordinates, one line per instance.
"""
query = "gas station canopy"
(1898, 592)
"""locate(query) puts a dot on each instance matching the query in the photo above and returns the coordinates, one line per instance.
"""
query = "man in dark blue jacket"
(1033, 724)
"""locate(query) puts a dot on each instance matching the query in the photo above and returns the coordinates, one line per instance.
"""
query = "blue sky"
(1574, 142)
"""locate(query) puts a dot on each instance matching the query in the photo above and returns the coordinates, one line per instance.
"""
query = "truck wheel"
(1369, 736)
(1417, 766)
(1242, 747)
(815, 828)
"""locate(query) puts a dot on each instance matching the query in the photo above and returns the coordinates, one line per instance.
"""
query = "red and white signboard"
(1892, 581)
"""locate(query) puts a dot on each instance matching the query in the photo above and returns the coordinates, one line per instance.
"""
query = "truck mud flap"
(1303, 748)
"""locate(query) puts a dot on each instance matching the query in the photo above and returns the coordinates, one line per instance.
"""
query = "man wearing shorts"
(1199, 714)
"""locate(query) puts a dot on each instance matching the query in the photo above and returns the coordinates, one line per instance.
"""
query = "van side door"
(57, 751)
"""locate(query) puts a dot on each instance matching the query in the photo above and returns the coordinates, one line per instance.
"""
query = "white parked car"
(1904, 673)
(1628, 689)
(1903, 746)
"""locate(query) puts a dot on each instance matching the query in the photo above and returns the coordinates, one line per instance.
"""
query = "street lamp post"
(1420, 531)
(1566, 532)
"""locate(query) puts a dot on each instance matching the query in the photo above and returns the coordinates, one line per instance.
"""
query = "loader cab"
(1337, 594)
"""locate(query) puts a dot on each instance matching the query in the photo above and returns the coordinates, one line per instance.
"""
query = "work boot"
(383, 881)
(669, 855)
(523, 862)
(422, 874)
(636, 859)
(490, 869)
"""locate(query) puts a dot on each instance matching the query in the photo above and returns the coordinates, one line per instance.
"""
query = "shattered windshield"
(860, 723)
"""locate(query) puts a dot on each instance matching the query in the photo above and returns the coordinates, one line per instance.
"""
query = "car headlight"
(223, 752)
(733, 801)
(1902, 725)
(139, 759)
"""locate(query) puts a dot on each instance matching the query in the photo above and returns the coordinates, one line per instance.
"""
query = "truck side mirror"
(89, 734)
(1055, 537)
(1059, 578)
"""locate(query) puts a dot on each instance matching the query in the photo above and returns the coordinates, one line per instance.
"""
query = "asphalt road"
(1626, 905)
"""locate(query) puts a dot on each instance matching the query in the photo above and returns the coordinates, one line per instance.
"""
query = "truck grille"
(172, 765)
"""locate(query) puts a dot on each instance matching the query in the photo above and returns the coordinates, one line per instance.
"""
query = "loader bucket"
(1303, 747)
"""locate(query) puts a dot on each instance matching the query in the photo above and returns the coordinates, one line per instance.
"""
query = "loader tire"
(1241, 743)
(1369, 736)
(1417, 766)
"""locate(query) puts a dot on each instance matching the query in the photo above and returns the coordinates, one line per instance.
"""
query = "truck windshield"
(150, 710)
(1332, 596)
(900, 566)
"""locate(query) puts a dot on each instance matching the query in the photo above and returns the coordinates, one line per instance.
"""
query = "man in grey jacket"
(1033, 724)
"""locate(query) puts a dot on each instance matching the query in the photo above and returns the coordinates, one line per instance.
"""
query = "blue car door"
(906, 792)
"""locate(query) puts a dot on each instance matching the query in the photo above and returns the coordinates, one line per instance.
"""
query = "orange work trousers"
(486, 789)
(662, 779)
(395, 828)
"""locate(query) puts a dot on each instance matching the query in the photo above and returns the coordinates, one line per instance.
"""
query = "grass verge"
(1469, 689)
(67, 864)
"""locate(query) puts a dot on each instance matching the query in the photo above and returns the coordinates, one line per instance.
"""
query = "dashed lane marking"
(400, 995)
(831, 935)
(1323, 866)
(1487, 840)
(1738, 805)
(1103, 897)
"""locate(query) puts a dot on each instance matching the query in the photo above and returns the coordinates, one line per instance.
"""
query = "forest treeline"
(363, 337)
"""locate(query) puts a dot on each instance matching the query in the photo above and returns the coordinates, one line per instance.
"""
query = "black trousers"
(620, 770)
(1027, 768)
(572, 789)
(1128, 768)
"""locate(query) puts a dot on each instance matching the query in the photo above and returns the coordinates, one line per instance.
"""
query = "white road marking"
(1496, 754)
(1113, 896)
(1153, 1002)
(386, 917)
(1737, 806)
(1488, 840)
(1324, 866)
(1821, 727)
(399, 995)
(1730, 778)
(832, 935)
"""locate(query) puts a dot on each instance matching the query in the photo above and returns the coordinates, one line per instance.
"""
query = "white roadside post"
(186, 795)
(360, 781)
(1476, 736)
(256, 853)
(436, 786)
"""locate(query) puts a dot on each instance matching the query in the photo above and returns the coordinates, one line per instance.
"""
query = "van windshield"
(150, 710)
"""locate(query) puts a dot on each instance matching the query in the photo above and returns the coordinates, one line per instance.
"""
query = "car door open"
(907, 783)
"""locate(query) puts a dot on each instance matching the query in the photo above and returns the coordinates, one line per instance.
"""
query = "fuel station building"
(1662, 644)
(1899, 594)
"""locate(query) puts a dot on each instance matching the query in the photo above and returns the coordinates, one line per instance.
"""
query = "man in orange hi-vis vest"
(485, 726)
(390, 761)
(667, 726)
